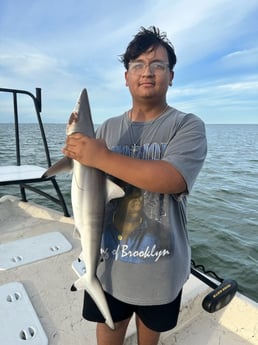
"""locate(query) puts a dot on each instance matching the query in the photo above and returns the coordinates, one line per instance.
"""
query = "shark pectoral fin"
(64, 164)
(113, 191)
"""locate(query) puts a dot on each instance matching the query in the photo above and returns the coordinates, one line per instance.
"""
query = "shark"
(90, 191)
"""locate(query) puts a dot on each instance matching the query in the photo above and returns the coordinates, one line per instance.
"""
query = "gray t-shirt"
(145, 249)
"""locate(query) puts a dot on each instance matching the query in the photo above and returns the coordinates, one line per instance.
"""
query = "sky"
(64, 46)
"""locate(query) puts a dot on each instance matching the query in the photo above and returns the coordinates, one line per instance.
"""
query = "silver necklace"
(144, 134)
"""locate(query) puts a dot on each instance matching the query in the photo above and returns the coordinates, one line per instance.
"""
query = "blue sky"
(64, 46)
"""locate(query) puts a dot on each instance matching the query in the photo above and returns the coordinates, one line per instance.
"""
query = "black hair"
(146, 39)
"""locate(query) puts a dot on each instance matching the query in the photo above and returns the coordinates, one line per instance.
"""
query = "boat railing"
(27, 175)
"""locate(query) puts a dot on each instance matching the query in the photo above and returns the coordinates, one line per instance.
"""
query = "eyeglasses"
(155, 67)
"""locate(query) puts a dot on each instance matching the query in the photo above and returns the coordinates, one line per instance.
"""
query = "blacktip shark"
(90, 191)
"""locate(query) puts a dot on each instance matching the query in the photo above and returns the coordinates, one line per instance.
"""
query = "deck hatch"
(31, 249)
(18, 319)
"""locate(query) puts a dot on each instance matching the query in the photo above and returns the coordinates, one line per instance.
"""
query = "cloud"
(27, 63)
(242, 58)
(220, 101)
(204, 28)
(64, 51)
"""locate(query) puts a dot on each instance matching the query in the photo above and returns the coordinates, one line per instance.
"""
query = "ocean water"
(223, 206)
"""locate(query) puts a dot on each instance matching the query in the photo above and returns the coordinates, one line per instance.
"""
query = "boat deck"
(48, 281)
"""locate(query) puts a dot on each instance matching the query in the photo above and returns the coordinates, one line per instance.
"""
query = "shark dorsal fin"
(113, 191)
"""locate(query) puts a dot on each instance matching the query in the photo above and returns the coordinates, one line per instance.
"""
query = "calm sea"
(223, 207)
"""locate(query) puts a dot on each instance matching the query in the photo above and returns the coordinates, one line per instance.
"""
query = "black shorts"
(159, 318)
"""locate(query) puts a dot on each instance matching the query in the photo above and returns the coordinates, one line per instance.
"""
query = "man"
(159, 150)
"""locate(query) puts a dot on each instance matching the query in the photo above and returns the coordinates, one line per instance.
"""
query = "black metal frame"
(24, 183)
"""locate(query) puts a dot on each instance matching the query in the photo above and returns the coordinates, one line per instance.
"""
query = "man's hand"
(88, 151)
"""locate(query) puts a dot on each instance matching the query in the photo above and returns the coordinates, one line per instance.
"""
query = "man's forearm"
(155, 176)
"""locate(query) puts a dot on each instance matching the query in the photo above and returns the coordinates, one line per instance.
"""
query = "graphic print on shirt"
(136, 226)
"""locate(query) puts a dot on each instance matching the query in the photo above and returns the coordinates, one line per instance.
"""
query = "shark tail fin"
(94, 289)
